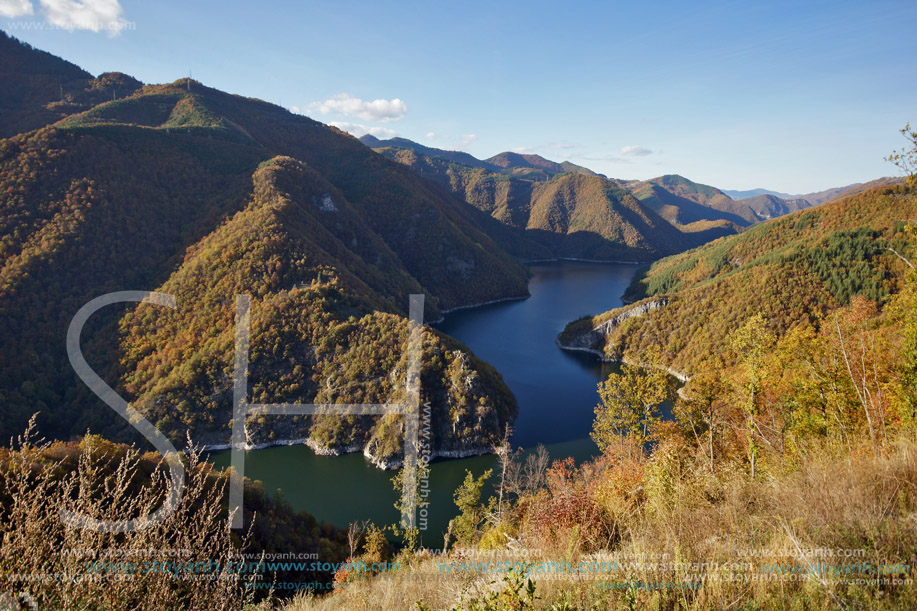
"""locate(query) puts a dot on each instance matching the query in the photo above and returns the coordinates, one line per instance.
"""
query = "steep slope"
(37, 88)
(432, 234)
(325, 329)
(766, 207)
(163, 189)
(403, 143)
(792, 270)
(535, 165)
(571, 214)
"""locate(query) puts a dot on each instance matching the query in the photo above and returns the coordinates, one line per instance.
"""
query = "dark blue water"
(556, 390)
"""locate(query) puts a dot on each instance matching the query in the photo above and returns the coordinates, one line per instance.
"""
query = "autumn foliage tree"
(630, 403)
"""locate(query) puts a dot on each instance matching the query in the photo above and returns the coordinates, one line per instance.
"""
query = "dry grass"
(719, 530)
(53, 562)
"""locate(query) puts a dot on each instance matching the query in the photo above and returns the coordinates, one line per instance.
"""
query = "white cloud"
(635, 151)
(355, 129)
(523, 149)
(380, 110)
(562, 146)
(435, 136)
(15, 8)
(94, 15)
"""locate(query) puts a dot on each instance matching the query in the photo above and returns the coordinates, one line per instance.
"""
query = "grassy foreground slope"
(190, 560)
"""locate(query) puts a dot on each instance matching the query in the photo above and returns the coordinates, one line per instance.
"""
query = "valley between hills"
(190, 191)
(787, 318)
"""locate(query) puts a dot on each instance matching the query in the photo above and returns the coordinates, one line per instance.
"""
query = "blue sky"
(790, 96)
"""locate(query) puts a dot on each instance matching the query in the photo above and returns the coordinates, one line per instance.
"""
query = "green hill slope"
(37, 88)
(555, 211)
(792, 270)
(188, 190)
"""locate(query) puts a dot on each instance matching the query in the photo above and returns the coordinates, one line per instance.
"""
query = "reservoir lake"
(556, 391)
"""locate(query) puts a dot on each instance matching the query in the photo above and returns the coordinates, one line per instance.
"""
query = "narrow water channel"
(556, 390)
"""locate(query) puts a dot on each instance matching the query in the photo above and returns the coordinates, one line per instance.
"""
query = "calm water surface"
(556, 391)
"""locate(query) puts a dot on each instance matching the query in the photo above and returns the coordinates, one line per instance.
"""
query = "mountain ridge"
(565, 214)
(38, 88)
(188, 190)
(794, 270)
(817, 197)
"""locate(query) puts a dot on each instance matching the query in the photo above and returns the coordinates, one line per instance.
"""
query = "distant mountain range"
(685, 203)
(508, 187)
(524, 165)
(735, 194)
(113, 185)
(818, 197)
(533, 167)
(555, 209)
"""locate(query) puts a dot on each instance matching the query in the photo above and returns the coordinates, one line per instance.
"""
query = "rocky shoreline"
(476, 305)
(585, 261)
(386, 464)
(593, 339)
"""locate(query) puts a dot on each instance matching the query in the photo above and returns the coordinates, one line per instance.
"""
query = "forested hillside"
(793, 270)
(188, 190)
(37, 88)
(555, 210)
(782, 476)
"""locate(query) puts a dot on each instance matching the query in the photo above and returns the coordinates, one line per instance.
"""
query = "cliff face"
(464, 408)
(587, 338)
(793, 270)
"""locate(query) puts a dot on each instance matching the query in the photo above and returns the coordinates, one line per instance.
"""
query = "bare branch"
(909, 264)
